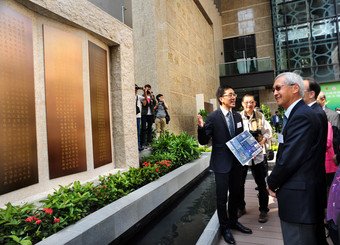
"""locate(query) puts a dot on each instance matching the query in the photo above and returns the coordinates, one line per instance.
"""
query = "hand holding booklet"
(244, 146)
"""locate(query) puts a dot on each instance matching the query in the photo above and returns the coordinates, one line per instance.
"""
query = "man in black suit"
(276, 121)
(297, 179)
(312, 90)
(222, 125)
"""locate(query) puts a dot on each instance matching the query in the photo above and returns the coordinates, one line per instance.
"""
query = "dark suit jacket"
(297, 176)
(322, 142)
(216, 128)
(273, 120)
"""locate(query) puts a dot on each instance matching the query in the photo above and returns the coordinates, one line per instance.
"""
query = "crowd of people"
(305, 174)
(150, 110)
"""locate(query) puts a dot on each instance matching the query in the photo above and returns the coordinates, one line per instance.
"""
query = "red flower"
(48, 211)
(38, 222)
(56, 220)
(157, 170)
(29, 219)
(146, 164)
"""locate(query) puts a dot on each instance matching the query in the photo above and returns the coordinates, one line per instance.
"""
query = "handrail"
(245, 66)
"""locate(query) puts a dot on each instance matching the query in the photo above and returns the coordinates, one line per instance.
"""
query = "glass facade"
(306, 37)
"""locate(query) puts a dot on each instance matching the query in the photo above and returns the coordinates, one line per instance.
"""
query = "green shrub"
(182, 148)
(73, 201)
(274, 147)
(266, 112)
(204, 148)
(27, 224)
(203, 113)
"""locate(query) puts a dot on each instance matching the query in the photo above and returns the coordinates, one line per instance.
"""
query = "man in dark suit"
(276, 121)
(222, 125)
(297, 179)
(312, 90)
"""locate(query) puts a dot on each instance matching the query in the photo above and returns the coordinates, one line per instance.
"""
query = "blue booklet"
(244, 146)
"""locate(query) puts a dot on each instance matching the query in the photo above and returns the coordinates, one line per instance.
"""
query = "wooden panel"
(99, 106)
(208, 107)
(64, 102)
(18, 147)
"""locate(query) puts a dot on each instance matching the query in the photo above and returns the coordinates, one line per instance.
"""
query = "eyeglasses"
(230, 95)
(278, 87)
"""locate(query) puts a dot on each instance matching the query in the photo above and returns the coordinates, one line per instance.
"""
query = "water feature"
(183, 221)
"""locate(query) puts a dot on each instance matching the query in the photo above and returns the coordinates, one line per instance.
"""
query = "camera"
(256, 134)
(137, 87)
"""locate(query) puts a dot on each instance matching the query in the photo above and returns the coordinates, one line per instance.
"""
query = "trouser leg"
(222, 198)
(243, 182)
(258, 171)
(235, 186)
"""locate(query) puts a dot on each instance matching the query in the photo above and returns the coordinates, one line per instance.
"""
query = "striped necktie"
(230, 123)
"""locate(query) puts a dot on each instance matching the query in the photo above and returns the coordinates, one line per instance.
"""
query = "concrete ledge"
(109, 222)
(210, 235)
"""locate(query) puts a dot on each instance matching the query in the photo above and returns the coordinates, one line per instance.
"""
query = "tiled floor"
(268, 233)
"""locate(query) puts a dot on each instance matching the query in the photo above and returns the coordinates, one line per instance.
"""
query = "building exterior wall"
(241, 18)
(306, 37)
(177, 51)
(111, 35)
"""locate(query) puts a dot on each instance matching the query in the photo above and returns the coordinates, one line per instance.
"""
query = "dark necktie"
(284, 121)
(230, 123)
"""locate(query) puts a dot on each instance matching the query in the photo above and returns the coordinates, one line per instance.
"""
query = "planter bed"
(111, 221)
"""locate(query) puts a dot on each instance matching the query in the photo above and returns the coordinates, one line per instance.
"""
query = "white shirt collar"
(290, 108)
(312, 103)
(225, 111)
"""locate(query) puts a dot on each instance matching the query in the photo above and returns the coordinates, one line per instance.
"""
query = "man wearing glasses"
(222, 125)
(255, 123)
(297, 180)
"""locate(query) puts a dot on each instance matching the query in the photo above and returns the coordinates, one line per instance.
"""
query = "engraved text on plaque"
(64, 102)
(18, 147)
(99, 105)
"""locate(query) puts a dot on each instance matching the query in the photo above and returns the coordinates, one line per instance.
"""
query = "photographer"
(147, 119)
(160, 113)
(138, 100)
(254, 122)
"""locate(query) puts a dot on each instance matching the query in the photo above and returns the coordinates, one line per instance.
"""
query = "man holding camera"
(148, 104)
(254, 122)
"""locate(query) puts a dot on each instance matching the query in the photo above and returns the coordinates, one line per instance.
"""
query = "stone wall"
(177, 51)
(88, 22)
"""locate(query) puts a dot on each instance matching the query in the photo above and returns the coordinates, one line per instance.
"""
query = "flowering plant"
(27, 225)
(42, 223)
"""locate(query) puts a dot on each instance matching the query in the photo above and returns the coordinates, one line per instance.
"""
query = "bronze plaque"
(64, 102)
(18, 146)
(99, 106)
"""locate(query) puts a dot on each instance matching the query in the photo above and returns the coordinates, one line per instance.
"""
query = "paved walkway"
(268, 233)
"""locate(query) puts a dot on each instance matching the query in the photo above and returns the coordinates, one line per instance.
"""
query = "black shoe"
(228, 237)
(263, 217)
(238, 226)
(241, 212)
